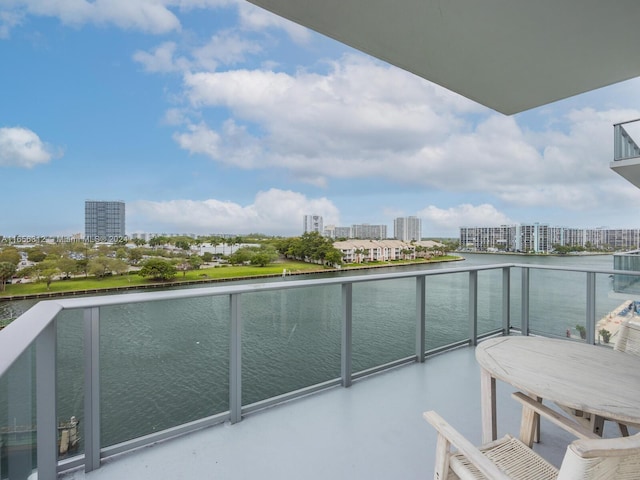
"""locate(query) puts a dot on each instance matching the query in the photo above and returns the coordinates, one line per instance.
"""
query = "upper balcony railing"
(624, 146)
(138, 368)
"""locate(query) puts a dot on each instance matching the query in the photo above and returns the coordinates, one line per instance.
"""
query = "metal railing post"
(525, 301)
(591, 308)
(420, 318)
(506, 300)
(91, 389)
(47, 434)
(347, 334)
(235, 362)
(473, 308)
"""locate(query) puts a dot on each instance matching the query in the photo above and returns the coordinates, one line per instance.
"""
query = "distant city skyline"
(219, 116)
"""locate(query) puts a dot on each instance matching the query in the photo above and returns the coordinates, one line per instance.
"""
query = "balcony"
(244, 380)
(626, 156)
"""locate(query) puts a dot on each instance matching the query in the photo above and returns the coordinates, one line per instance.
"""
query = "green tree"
(28, 272)
(207, 257)
(36, 255)
(183, 266)
(119, 266)
(183, 245)
(359, 252)
(67, 266)
(7, 269)
(157, 269)
(100, 266)
(158, 241)
(195, 261)
(83, 266)
(48, 271)
(333, 257)
(11, 255)
(261, 259)
(240, 256)
(135, 255)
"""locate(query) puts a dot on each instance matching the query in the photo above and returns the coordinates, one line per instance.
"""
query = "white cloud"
(363, 119)
(450, 219)
(224, 48)
(352, 122)
(21, 147)
(8, 20)
(161, 59)
(151, 16)
(276, 212)
(227, 48)
(256, 18)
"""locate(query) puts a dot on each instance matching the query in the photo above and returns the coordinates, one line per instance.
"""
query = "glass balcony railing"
(84, 379)
(624, 146)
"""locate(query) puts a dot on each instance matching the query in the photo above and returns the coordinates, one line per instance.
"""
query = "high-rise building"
(104, 221)
(373, 232)
(407, 229)
(342, 232)
(313, 223)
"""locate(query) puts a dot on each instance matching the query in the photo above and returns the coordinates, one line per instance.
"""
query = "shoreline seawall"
(178, 283)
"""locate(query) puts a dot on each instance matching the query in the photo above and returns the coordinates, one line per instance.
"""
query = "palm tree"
(359, 252)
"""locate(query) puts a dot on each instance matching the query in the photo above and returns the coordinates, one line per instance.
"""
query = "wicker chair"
(628, 340)
(510, 459)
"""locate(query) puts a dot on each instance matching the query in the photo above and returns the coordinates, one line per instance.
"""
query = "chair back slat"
(628, 340)
(604, 459)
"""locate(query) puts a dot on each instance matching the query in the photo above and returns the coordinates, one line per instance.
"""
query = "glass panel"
(515, 317)
(489, 301)
(384, 322)
(18, 418)
(70, 382)
(557, 302)
(290, 340)
(447, 305)
(629, 284)
(162, 364)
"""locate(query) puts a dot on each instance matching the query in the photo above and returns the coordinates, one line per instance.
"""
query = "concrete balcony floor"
(372, 430)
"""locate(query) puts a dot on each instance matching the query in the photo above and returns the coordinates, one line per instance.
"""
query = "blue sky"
(213, 116)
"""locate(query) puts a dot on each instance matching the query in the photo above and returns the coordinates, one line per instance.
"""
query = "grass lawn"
(90, 283)
(132, 279)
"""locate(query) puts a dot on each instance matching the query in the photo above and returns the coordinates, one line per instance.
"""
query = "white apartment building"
(407, 228)
(366, 231)
(358, 250)
(343, 232)
(313, 223)
(540, 238)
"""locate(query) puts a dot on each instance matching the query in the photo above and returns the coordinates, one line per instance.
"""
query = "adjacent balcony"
(626, 156)
(322, 378)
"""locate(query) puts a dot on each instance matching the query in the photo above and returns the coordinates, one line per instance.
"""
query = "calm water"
(166, 363)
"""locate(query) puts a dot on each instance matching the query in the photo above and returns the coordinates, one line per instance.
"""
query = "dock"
(627, 310)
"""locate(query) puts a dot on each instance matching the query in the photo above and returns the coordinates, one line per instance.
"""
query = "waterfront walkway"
(612, 321)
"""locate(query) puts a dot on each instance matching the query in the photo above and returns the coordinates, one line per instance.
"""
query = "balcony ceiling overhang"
(508, 55)
(629, 169)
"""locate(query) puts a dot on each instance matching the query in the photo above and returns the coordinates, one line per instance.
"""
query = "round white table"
(583, 377)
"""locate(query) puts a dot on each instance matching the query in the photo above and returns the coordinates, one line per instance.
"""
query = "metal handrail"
(38, 326)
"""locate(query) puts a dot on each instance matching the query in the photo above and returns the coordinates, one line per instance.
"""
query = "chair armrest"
(554, 417)
(464, 446)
